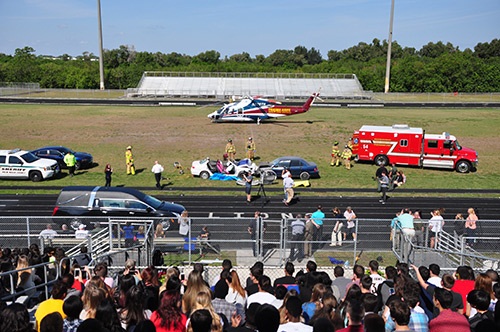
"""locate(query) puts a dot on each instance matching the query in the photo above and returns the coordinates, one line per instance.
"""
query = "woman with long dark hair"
(149, 279)
(133, 311)
(106, 313)
(15, 318)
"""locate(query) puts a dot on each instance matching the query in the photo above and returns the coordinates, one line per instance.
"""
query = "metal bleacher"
(449, 253)
(224, 85)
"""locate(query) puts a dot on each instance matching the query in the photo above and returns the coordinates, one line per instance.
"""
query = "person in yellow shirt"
(335, 154)
(250, 149)
(230, 150)
(54, 304)
(70, 161)
(129, 160)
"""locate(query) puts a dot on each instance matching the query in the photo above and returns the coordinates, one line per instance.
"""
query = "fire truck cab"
(403, 145)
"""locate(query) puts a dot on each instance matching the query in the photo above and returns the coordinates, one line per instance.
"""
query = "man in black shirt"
(288, 278)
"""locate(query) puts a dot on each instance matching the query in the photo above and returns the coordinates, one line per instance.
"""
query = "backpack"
(381, 295)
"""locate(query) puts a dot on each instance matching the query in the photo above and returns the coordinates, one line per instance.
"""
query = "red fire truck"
(404, 145)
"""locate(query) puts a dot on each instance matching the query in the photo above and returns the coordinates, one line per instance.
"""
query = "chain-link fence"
(244, 243)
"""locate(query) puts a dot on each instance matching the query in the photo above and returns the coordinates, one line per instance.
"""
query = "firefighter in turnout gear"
(335, 154)
(129, 160)
(346, 156)
(250, 149)
(230, 149)
(349, 144)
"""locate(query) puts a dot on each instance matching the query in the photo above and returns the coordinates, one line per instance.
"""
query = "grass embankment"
(184, 134)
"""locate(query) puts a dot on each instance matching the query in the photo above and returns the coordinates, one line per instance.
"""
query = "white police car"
(20, 164)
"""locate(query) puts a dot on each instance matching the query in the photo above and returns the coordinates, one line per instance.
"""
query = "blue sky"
(56, 27)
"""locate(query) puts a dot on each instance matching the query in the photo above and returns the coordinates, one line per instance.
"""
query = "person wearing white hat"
(81, 233)
(250, 148)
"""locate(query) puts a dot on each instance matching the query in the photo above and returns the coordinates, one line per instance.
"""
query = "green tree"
(488, 50)
(314, 56)
(209, 57)
(432, 50)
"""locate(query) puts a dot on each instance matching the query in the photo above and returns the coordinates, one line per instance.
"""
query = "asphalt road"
(235, 205)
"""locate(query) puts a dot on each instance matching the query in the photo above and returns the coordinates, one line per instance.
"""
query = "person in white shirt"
(81, 233)
(350, 216)
(262, 296)
(434, 279)
(48, 233)
(184, 223)
(435, 225)
(288, 187)
(293, 311)
(377, 279)
(157, 170)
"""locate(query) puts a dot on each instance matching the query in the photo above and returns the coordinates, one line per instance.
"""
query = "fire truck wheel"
(463, 166)
(381, 160)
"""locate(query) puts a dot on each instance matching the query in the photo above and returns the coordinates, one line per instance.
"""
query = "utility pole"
(389, 49)
(101, 63)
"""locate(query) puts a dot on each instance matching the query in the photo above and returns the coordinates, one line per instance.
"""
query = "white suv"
(20, 164)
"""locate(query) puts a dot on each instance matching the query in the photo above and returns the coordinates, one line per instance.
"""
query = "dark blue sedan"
(83, 159)
(299, 167)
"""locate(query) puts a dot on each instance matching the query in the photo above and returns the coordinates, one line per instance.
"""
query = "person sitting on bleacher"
(48, 233)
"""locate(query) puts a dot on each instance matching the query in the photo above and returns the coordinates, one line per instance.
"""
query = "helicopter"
(257, 109)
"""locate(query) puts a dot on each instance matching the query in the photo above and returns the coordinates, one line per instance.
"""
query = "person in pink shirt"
(470, 226)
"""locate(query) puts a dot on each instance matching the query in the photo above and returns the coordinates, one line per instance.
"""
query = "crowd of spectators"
(400, 298)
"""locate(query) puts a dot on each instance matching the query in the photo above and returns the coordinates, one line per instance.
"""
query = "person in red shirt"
(464, 283)
(447, 320)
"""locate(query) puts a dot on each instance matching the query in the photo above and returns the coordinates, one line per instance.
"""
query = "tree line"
(436, 67)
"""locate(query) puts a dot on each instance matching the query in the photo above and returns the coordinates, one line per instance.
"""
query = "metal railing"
(449, 251)
(230, 237)
(50, 272)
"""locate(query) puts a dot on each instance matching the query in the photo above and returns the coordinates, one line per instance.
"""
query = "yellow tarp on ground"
(301, 183)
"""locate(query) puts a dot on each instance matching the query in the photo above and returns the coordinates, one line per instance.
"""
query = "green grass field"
(184, 134)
